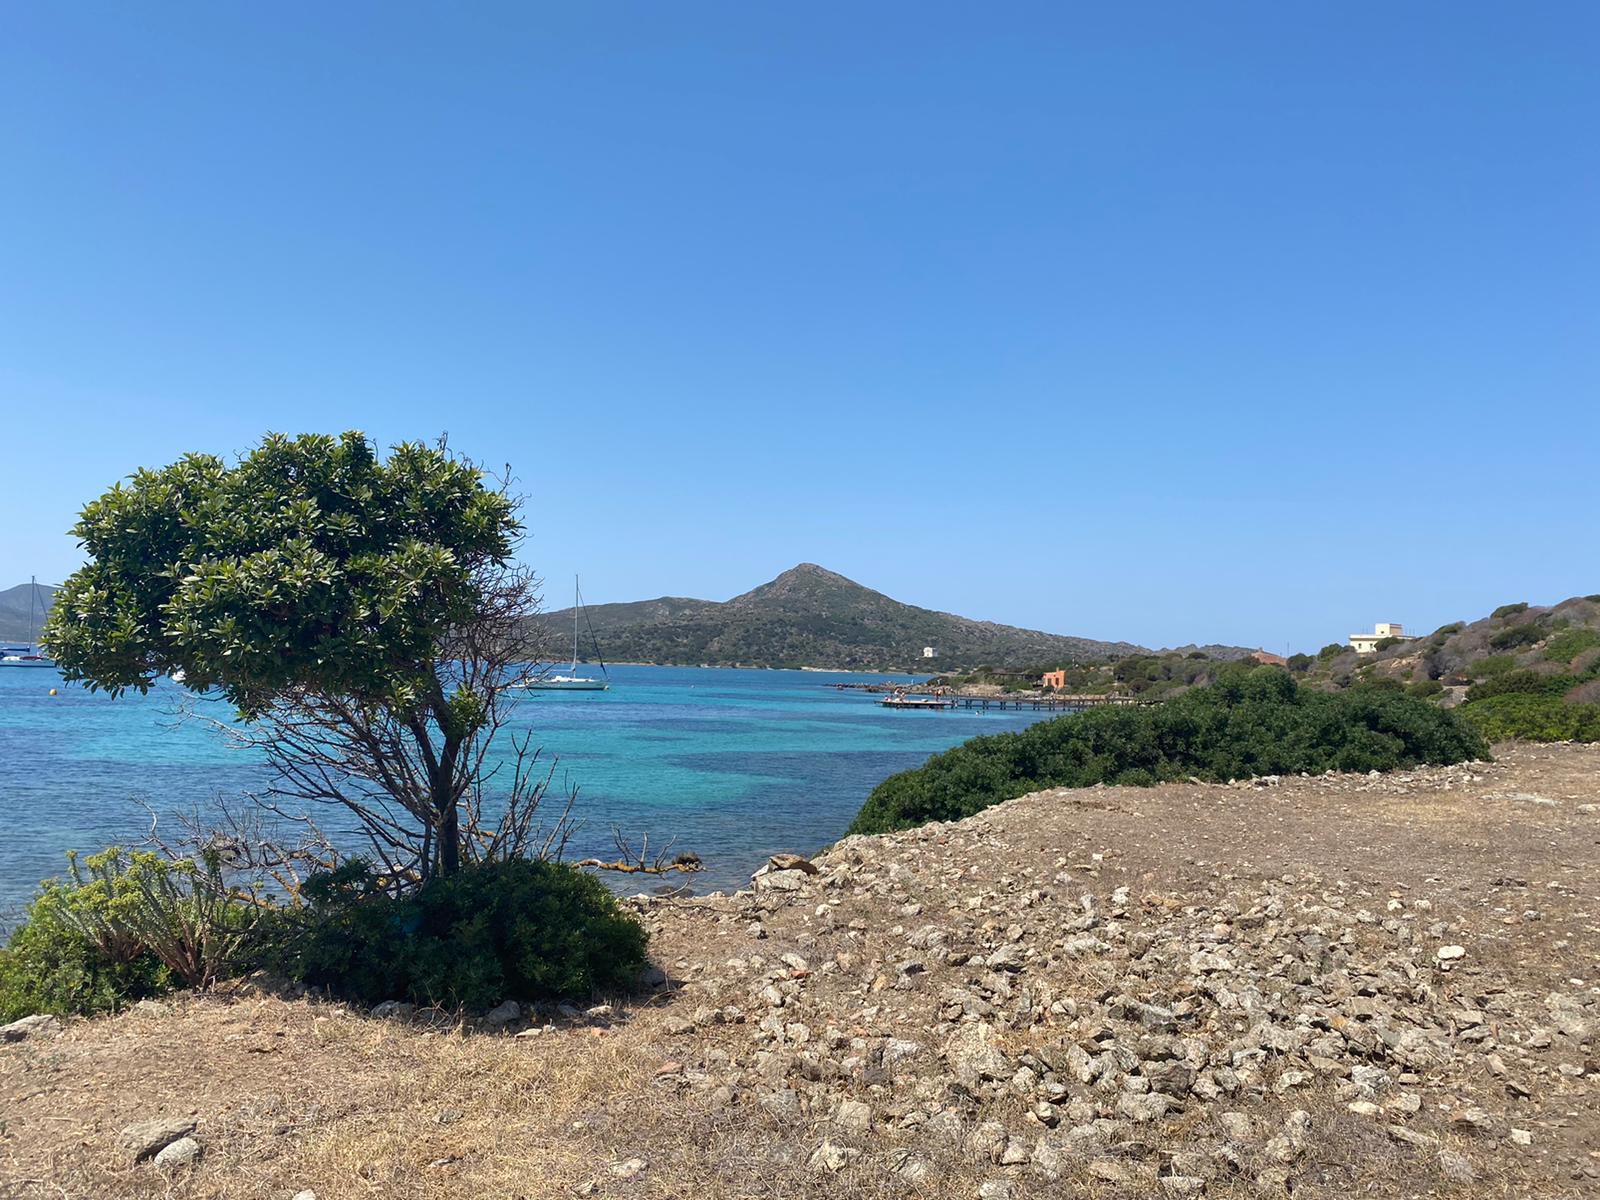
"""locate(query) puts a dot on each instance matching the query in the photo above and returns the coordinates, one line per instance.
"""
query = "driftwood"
(630, 863)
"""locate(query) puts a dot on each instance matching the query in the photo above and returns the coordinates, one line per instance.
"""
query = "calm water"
(734, 764)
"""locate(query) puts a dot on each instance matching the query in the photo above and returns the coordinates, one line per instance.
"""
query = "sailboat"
(28, 656)
(573, 682)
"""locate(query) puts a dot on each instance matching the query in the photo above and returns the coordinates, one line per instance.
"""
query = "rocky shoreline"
(1326, 986)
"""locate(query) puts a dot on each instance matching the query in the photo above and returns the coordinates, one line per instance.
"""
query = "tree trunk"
(449, 841)
(446, 807)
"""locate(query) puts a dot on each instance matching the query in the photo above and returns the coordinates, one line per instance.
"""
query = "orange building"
(1054, 679)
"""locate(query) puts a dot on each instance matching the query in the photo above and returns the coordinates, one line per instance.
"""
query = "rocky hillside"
(1557, 639)
(16, 623)
(812, 617)
(1312, 987)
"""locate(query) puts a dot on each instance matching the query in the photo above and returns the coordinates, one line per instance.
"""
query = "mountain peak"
(802, 582)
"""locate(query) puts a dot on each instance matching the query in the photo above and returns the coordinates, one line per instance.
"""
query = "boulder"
(40, 1024)
(143, 1139)
(184, 1152)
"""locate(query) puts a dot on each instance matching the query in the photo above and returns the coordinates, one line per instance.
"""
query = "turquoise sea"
(734, 764)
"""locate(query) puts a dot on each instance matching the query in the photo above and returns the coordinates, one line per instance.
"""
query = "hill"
(15, 625)
(1525, 670)
(812, 617)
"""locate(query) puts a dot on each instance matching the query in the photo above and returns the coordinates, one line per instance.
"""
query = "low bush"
(1423, 688)
(518, 929)
(1495, 664)
(1509, 610)
(1248, 722)
(1516, 637)
(1566, 646)
(120, 927)
(1522, 683)
(1533, 717)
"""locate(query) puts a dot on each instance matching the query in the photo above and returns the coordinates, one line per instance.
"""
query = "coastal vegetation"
(364, 620)
(1248, 722)
(1525, 671)
(362, 616)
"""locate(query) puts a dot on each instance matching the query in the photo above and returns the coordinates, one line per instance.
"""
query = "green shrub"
(1249, 722)
(1516, 636)
(1423, 688)
(1509, 610)
(53, 964)
(1495, 664)
(1533, 717)
(1445, 631)
(1331, 650)
(1565, 647)
(1521, 683)
(1301, 663)
(518, 929)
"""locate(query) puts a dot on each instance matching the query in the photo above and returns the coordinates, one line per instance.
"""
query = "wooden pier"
(929, 700)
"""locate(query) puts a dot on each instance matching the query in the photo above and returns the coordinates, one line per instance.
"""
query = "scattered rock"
(35, 1026)
(143, 1139)
(628, 1168)
(502, 1015)
(184, 1152)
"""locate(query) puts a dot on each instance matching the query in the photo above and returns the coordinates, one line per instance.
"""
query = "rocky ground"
(1332, 986)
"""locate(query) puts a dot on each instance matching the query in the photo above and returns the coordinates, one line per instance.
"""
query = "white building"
(1367, 643)
(929, 652)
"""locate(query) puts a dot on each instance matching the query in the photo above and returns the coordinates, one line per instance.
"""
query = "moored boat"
(573, 682)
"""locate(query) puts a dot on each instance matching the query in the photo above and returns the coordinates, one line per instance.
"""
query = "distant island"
(812, 617)
(19, 622)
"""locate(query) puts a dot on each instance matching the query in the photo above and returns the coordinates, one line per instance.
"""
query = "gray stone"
(628, 1168)
(26, 1027)
(781, 881)
(184, 1152)
(144, 1138)
(854, 1115)
(832, 1157)
(502, 1014)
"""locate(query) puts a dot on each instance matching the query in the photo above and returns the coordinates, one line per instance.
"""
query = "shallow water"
(733, 764)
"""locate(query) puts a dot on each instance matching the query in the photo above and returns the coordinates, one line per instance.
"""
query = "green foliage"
(1423, 688)
(1445, 631)
(1301, 663)
(1249, 722)
(310, 563)
(1522, 683)
(1387, 643)
(1534, 717)
(1566, 646)
(181, 911)
(120, 927)
(1332, 650)
(1516, 637)
(514, 929)
(1496, 664)
(1509, 610)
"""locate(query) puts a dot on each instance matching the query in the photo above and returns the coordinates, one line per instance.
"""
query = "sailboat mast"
(574, 624)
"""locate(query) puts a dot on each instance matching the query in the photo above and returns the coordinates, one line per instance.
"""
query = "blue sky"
(1251, 323)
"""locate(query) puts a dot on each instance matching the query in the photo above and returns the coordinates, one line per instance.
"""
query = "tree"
(363, 616)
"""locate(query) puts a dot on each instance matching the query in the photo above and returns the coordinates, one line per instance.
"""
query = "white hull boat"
(573, 682)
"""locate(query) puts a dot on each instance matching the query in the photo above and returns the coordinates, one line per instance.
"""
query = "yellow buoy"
(52, 691)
